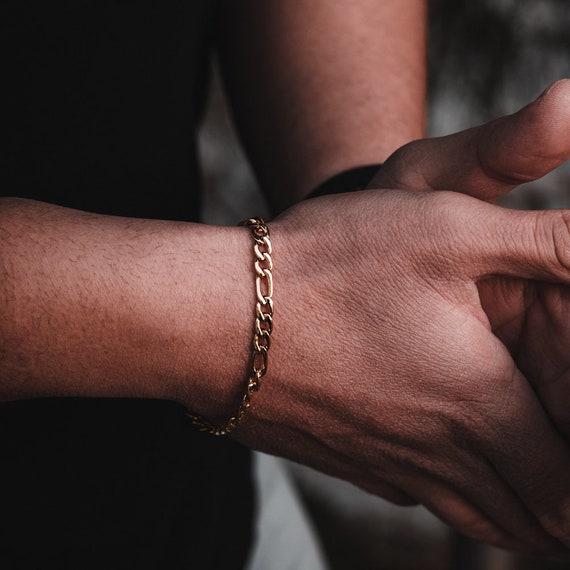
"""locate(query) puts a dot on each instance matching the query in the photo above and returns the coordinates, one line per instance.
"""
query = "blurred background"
(486, 58)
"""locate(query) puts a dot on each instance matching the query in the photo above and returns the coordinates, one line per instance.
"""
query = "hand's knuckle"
(560, 239)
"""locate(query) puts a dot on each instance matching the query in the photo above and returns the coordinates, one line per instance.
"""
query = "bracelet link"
(262, 331)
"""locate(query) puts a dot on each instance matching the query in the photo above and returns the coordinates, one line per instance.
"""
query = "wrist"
(264, 307)
(280, 401)
(213, 302)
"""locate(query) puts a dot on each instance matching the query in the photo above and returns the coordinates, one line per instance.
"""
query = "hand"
(532, 318)
(384, 369)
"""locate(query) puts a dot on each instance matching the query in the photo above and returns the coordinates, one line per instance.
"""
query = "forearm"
(93, 305)
(320, 87)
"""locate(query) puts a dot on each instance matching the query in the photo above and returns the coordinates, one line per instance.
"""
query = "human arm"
(359, 386)
(408, 406)
(95, 305)
(319, 87)
(410, 402)
(291, 58)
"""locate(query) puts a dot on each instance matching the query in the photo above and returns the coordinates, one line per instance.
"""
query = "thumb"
(488, 161)
(498, 241)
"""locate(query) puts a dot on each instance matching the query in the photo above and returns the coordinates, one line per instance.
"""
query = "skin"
(530, 317)
(384, 367)
(421, 401)
(313, 83)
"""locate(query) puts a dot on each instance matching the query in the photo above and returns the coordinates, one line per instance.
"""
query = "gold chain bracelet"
(263, 327)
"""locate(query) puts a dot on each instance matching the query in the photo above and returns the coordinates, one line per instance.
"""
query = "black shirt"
(99, 107)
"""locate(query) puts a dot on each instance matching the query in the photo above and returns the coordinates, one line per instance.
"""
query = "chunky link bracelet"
(263, 327)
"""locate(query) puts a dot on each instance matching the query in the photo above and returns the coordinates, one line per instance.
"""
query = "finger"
(518, 534)
(467, 492)
(556, 391)
(486, 240)
(454, 510)
(530, 455)
(550, 374)
(488, 161)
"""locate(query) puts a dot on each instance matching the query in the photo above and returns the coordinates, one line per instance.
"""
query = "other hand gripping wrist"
(263, 327)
